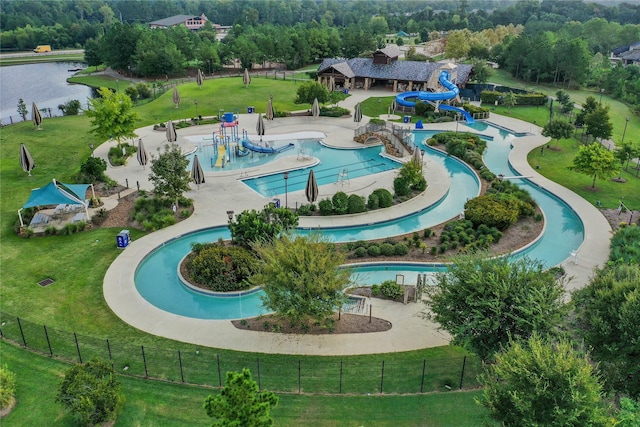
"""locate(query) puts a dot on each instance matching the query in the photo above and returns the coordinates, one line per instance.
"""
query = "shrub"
(401, 186)
(373, 201)
(423, 108)
(340, 202)
(492, 211)
(400, 249)
(420, 184)
(433, 250)
(93, 169)
(386, 249)
(222, 268)
(390, 289)
(7, 387)
(385, 198)
(360, 252)
(304, 210)
(427, 233)
(326, 207)
(356, 204)
(373, 250)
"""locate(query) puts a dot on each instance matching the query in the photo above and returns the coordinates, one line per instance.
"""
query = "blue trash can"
(346, 91)
(122, 239)
(250, 110)
(276, 202)
(407, 119)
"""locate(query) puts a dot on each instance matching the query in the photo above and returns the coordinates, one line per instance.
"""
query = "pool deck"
(224, 191)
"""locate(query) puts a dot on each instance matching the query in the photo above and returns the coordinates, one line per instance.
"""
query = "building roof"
(622, 49)
(173, 20)
(415, 71)
(392, 51)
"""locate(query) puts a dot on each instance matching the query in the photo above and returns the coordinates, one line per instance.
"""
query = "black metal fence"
(279, 373)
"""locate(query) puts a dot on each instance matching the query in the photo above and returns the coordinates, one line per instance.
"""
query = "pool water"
(157, 280)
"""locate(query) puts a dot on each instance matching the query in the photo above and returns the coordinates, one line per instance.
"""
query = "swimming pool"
(157, 280)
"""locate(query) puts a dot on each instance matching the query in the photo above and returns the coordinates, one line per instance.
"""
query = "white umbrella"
(260, 126)
(142, 156)
(196, 171)
(172, 135)
(246, 78)
(26, 161)
(176, 96)
(315, 109)
(36, 116)
(199, 78)
(269, 113)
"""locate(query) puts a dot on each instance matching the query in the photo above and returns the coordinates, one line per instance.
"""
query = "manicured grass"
(4, 60)
(617, 113)
(151, 403)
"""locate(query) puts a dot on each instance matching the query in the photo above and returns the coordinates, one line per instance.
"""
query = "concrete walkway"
(224, 191)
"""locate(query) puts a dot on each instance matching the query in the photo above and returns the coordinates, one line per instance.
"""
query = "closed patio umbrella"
(260, 126)
(36, 116)
(357, 114)
(417, 156)
(26, 161)
(311, 191)
(172, 135)
(143, 157)
(246, 78)
(196, 171)
(269, 113)
(315, 109)
(332, 84)
(176, 96)
(199, 78)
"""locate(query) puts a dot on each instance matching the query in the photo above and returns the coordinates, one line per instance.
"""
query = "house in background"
(193, 23)
(627, 55)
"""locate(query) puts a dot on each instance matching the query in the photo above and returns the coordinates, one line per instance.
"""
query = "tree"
(457, 44)
(302, 278)
(627, 150)
(510, 99)
(253, 226)
(22, 109)
(308, 91)
(608, 322)
(629, 415)
(112, 115)
(169, 173)
(91, 392)
(557, 129)
(481, 71)
(540, 383)
(483, 303)
(595, 160)
(598, 123)
(93, 169)
(588, 106)
(70, 108)
(241, 403)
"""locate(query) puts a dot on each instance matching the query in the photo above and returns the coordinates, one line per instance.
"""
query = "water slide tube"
(269, 150)
(452, 92)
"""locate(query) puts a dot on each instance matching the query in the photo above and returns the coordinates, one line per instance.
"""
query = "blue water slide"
(269, 150)
(451, 92)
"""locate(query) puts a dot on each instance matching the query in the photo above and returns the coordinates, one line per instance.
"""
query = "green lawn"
(152, 403)
(4, 60)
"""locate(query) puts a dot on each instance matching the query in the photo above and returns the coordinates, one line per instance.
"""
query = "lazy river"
(157, 280)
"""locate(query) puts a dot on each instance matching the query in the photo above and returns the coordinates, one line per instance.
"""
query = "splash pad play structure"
(228, 143)
(443, 90)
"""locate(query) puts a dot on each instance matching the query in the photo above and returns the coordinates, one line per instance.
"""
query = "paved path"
(224, 191)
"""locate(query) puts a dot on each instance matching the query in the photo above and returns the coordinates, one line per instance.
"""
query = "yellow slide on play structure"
(222, 151)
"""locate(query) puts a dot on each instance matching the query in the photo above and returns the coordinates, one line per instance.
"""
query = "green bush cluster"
(306, 209)
(490, 97)
(625, 246)
(474, 108)
(356, 204)
(334, 111)
(385, 198)
(221, 268)
(507, 189)
(341, 203)
(7, 387)
(361, 249)
(493, 210)
(461, 234)
(155, 213)
(388, 289)
(116, 156)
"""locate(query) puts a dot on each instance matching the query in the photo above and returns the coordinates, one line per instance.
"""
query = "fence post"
(424, 367)
(180, 360)
(46, 334)
(258, 362)
(341, 377)
(382, 377)
(21, 331)
(219, 374)
(299, 385)
(144, 360)
(464, 362)
(75, 337)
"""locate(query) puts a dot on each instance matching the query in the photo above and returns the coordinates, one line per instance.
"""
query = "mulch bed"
(348, 324)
